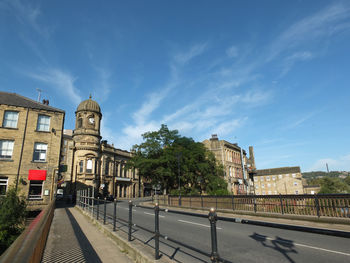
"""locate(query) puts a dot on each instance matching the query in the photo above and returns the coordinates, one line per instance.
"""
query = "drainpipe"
(20, 157)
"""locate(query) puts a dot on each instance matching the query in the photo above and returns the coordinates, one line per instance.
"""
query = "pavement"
(73, 238)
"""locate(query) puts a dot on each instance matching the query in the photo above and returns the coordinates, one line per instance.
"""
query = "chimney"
(251, 157)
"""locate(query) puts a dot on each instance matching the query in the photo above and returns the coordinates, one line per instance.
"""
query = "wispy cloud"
(342, 163)
(103, 88)
(27, 15)
(63, 82)
(302, 119)
(185, 57)
(322, 24)
(232, 51)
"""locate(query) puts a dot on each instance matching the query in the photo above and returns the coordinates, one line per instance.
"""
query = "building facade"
(30, 141)
(284, 180)
(87, 161)
(234, 160)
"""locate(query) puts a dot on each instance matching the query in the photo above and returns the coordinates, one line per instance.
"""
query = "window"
(267, 178)
(280, 176)
(262, 179)
(293, 175)
(273, 178)
(262, 186)
(80, 123)
(40, 150)
(295, 183)
(35, 189)
(89, 166)
(3, 185)
(268, 185)
(6, 149)
(43, 123)
(275, 192)
(269, 192)
(287, 175)
(10, 119)
(81, 166)
(263, 192)
(255, 179)
(107, 168)
(296, 192)
(256, 187)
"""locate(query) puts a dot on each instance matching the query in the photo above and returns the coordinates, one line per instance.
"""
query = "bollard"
(98, 208)
(317, 204)
(130, 220)
(104, 211)
(255, 205)
(156, 231)
(214, 242)
(114, 214)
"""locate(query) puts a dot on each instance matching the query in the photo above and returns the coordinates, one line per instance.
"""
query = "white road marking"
(193, 223)
(317, 248)
(152, 214)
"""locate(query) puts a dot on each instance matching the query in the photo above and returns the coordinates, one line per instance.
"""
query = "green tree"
(331, 185)
(161, 154)
(347, 180)
(12, 218)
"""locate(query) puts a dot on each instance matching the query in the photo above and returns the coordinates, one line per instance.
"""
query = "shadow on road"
(284, 246)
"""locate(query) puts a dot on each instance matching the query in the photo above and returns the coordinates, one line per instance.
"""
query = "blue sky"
(272, 74)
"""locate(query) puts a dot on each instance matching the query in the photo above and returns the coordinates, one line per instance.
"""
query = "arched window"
(81, 166)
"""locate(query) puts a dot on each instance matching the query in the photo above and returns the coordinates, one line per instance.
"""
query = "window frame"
(89, 170)
(39, 151)
(4, 181)
(5, 120)
(39, 123)
(6, 157)
(31, 184)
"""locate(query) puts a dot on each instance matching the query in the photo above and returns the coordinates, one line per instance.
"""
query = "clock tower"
(87, 150)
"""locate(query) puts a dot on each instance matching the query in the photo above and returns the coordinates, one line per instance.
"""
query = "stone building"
(234, 160)
(30, 141)
(284, 180)
(89, 161)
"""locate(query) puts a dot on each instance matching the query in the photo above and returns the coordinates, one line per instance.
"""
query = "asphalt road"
(236, 242)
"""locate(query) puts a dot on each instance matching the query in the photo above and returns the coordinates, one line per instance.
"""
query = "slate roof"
(276, 171)
(14, 99)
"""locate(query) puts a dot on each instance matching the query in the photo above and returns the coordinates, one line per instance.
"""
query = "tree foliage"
(164, 153)
(12, 218)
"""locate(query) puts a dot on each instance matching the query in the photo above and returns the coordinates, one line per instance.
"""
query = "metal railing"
(327, 205)
(93, 207)
(30, 245)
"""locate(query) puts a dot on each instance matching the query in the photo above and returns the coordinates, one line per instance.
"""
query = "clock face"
(92, 120)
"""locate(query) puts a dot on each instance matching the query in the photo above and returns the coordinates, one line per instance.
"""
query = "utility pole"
(327, 167)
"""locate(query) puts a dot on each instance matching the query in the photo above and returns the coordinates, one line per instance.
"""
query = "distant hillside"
(320, 174)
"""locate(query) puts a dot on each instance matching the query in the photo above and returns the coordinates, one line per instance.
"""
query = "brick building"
(89, 161)
(231, 156)
(30, 141)
(284, 180)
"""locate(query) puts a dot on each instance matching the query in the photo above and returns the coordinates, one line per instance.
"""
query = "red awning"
(37, 175)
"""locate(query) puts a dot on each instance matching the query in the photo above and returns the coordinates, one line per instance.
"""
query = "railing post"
(216, 202)
(98, 208)
(190, 202)
(214, 242)
(202, 201)
(114, 214)
(168, 200)
(88, 199)
(233, 202)
(130, 220)
(156, 230)
(317, 205)
(281, 204)
(180, 199)
(254, 203)
(104, 211)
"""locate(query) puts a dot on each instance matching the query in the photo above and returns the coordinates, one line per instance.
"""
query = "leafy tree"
(12, 218)
(331, 185)
(164, 152)
(347, 180)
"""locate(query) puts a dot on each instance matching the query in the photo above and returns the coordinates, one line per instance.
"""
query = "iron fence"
(327, 205)
(97, 207)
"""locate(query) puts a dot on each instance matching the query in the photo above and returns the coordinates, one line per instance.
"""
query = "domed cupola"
(89, 105)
